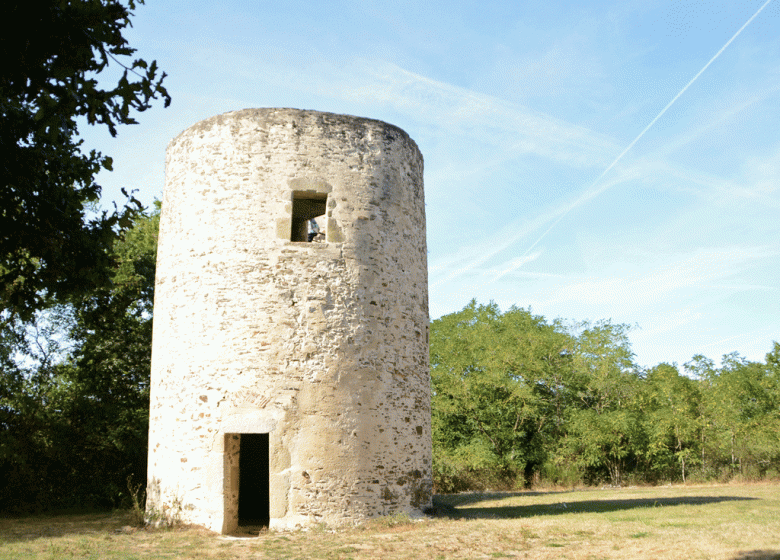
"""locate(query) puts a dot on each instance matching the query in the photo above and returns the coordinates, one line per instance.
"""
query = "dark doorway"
(253, 480)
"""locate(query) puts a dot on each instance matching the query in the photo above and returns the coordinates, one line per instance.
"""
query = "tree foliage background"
(74, 400)
(53, 52)
(519, 400)
(76, 283)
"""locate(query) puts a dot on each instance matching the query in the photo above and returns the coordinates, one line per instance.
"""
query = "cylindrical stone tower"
(290, 380)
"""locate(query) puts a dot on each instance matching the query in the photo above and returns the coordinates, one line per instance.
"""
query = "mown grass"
(727, 522)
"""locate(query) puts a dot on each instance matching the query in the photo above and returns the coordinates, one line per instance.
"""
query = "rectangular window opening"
(254, 504)
(308, 216)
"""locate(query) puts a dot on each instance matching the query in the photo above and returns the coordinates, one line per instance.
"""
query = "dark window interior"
(306, 206)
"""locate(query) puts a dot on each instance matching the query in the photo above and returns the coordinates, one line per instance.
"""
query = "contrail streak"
(590, 193)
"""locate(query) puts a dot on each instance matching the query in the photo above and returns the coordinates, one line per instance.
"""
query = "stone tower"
(290, 381)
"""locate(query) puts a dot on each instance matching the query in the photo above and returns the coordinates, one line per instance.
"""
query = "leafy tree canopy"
(497, 392)
(52, 52)
(74, 388)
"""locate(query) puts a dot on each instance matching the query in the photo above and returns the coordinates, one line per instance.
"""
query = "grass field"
(722, 521)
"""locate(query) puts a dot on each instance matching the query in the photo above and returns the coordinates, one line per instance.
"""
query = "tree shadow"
(758, 555)
(59, 525)
(452, 506)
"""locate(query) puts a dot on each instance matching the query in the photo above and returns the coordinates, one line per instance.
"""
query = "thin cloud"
(439, 108)
(699, 270)
(592, 191)
(755, 340)
(475, 256)
(493, 121)
(515, 264)
(717, 118)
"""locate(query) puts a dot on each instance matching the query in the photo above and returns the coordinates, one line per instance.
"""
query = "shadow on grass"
(453, 506)
(758, 555)
(60, 525)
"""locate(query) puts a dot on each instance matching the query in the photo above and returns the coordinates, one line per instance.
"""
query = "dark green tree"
(702, 370)
(74, 389)
(673, 422)
(109, 369)
(744, 412)
(604, 436)
(53, 52)
(31, 401)
(515, 396)
(498, 394)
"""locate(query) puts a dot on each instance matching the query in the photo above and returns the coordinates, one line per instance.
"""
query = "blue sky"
(523, 112)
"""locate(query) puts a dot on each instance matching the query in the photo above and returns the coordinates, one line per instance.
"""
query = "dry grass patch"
(727, 522)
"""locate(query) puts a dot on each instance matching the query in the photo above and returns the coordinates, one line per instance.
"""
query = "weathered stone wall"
(324, 346)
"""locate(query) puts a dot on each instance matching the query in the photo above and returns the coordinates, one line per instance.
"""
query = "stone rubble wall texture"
(324, 346)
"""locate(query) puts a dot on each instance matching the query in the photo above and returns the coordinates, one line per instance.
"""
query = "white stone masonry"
(321, 345)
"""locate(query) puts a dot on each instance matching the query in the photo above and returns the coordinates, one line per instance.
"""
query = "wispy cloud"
(699, 270)
(473, 256)
(476, 255)
(750, 336)
(438, 108)
(515, 264)
(594, 189)
(455, 110)
(758, 182)
(597, 187)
